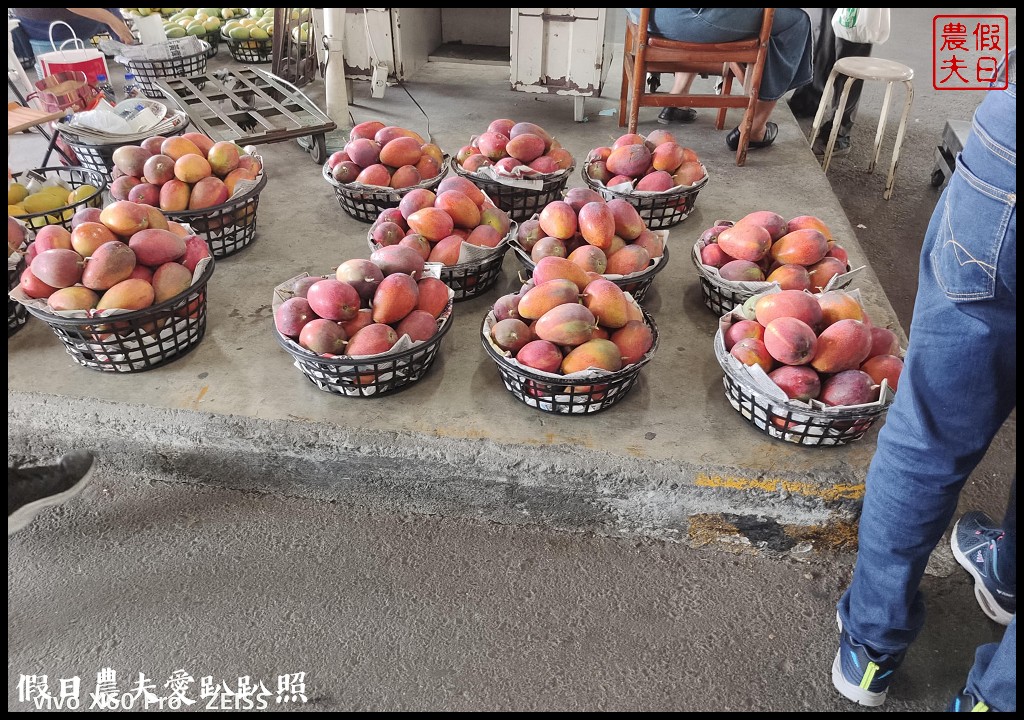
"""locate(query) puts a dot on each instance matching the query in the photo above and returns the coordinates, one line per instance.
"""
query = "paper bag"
(73, 55)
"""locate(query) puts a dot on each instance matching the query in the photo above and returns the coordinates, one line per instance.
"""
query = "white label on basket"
(515, 181)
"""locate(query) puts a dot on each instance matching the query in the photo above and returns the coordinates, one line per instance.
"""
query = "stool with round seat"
(867, 68)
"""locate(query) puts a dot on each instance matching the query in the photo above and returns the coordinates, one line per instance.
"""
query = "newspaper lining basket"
(519, 202)
(572, 397)
(721, 295)
(473, 277)
(228, 227)
(375, 376)
(100, 158)
(637, 284)
(366, 202)
(139, 340)
(661, 210)
(788, 420)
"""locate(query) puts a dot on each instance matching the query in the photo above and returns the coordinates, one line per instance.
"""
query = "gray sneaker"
(975, 542)
(31, 490)
(841, 149)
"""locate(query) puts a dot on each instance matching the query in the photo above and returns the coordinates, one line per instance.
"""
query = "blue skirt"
(788, 65)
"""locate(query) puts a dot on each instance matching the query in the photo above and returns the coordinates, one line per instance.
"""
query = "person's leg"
(958, 386)
(762, 130)
(788, 62)
(681, 84)
(787, 66)
(805, 99)
(993, 678)
(843, 49)
(1006, 563)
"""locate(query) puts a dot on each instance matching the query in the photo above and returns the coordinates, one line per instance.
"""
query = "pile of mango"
(53, 199)
(199, 21)
(258, 26)
(146, 12)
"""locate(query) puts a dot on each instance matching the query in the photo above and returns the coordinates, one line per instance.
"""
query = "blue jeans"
(958, 386)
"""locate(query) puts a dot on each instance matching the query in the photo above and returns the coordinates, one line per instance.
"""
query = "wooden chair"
(644, 53)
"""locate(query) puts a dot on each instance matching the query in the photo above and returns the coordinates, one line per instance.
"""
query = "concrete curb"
(560, 486)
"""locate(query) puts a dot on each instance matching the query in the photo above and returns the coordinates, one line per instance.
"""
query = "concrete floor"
(265, 473)
(401, 611)
(671, 450)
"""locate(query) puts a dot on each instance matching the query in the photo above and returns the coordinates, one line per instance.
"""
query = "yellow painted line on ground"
(840, 491)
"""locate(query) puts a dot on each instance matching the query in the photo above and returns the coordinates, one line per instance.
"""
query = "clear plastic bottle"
(106, 89)
(131, 87)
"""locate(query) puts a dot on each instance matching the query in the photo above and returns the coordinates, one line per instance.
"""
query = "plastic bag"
(862, 25)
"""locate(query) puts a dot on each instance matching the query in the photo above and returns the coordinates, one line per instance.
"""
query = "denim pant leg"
(994, 674)
(958, 385)
(1006, 562)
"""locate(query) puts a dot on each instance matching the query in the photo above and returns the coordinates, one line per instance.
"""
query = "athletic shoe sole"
(853, 692)
(846, 688)
(836, 152)
(23, 516)
(989, 605)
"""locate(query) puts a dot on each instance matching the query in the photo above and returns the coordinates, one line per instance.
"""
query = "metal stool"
(867, 68)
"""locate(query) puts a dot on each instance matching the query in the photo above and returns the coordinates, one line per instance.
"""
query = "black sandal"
(771, 131)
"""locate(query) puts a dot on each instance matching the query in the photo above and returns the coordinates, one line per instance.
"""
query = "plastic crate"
(637, 284)
(790, 420)
(366, 202)
(228, 227)
(374, 376)
(253, 52)
(71, 177)
(139, 340)
(662, 210)
(474, 277)
(100, 158)
(546, 392)
(520, 203)
(149, 72)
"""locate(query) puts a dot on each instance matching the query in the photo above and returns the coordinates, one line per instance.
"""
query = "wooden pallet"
(250, 106)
